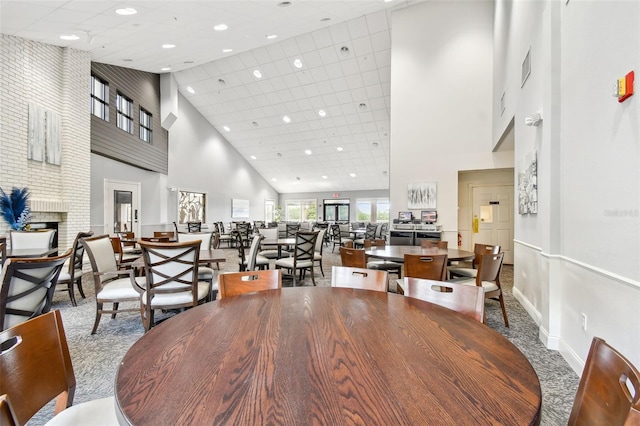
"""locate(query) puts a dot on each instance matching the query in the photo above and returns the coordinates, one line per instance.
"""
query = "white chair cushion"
(488, 286)
(317, 256)
(288, 263)
(119, 289)
(205, 273)
(177, 298)
(64, 276)
(465, 272)
(99, 412)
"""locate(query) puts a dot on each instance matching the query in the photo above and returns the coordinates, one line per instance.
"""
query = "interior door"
(122, 207)
(493, 208)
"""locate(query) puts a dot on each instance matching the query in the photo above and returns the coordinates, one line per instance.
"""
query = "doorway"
(121, 207)
(492, 206)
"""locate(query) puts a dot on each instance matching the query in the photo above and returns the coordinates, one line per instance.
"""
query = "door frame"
(111, 185)
(472, 186)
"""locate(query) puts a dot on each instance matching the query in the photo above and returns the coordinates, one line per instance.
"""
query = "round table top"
(318, 355)
(396, 253)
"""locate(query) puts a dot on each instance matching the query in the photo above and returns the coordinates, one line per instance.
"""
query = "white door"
(121, 207)
(493, 207)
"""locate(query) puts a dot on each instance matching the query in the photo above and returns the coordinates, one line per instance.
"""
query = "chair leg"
(98, 315)
(115, 308)
(504, 311)
(321, 270)
(72, 295)
(313, 278)
(79, 283)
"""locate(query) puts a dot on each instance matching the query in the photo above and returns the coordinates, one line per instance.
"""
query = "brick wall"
(58, 80)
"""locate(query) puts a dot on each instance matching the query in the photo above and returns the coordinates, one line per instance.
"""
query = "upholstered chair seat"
(163, 299)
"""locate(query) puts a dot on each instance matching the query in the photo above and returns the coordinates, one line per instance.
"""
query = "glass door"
(123, 211)
(121, 207)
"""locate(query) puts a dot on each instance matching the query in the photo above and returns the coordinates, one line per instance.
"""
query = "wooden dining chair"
(172, 279)
(337, 238)
(434, 244)
(3, 249)
(352, 257)
(162, 234)
(609, 389)
(430, 267)
(236, 283)
(302, 259)
(42, 239)
(194, 226)
(156, 239)
(72, 277)
(478, 251)
(35, 356)
(8, 415)
(465, 299)
(362, 278)
(385, 265)
(123, 259)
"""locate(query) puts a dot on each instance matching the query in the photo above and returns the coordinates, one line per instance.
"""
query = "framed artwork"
(191, 206)
(422, 195)
(239, 208)
(528, 185)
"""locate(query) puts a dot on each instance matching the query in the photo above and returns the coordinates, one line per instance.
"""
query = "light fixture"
(286, 119)
(221, 82)
(255, 124)
(362, 106)
(344, 51)
(308, 151)
(534, 119)
(253, 157)
(165, 69)
(168, 46)
(126, 11)
(69, 37)
(339, 148)
(226, 128)
(374, 144)
(271, 36)
(325, 19)
(284, 3)
(220, 27)
(279, 154)
(297, 63)
(257, 73)
(352, 175)
(227, 50)
(274, 179)
(325, 177)
(322, 113)
(190, 90)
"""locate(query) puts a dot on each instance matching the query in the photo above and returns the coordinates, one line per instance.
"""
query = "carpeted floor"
(96, 358)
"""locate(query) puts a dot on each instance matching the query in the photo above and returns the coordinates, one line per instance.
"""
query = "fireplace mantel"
(49, 206)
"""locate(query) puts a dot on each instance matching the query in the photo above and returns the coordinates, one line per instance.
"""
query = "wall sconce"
(534, 119)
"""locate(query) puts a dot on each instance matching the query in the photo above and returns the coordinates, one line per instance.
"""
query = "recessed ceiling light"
(69, 37)
(190, 90)
(325, 19)
(220, 27)
(227, 50)
(344, 51)
(127, 60)
(255, 124)
(322, 113)
(188, 62)
(297, 63)
(279, 154)
(362, 106)
(388, 1)
(126, 11)
(325, 177)
(226, 128)
(274, 179)
(308, 151)
(271, 36)
(352, 174)
(168, 46)
(221, 82)
(257, 73)
(374, 144)
(297, 177)
(253, 157)
(165, 69)
(284, 3)
(286, 119)
(339, 148)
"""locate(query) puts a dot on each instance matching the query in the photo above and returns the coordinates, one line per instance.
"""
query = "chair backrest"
(320, 240)
(36, 357)
(27, 286)
(77, 253)
(270, 234)
(101, 255)
(194, 226)
(434, 244)
(253, 252)
(366, 279)
(428, 267)
(335, 232)
(171, 268)
(216, 240)
(370, 231)
(291, 229)
(258, 224)
(32, 239)
(384, 230)
(162, 234)
(466, 299)
(127, 236)
(204, 237)
(480, 249)
(116, 244)
(8, 416)
(236, 283)
(305, 245)
(374, 243)
(156, 239)
(609, 387)
(489, 268)
(353, 257)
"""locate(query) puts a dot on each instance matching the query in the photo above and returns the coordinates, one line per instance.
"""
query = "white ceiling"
(352, 86)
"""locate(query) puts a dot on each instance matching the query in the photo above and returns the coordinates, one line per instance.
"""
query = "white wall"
(352, 196)
(441, 105)
(581, 252)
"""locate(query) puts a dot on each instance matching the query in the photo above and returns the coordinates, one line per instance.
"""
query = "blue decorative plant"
(14, 209)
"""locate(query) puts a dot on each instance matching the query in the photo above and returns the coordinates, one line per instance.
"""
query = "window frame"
(373, 202)
(122, 116)
(304, 205)
(145, 126)
(101, 99)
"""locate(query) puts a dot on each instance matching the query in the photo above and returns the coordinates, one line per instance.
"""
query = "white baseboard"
(571, 357)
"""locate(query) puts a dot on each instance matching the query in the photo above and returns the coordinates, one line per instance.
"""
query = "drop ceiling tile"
(383, 59)
(319, 74)
(350, 67)
(377, 104)
(357, 27)
(269, 70)
(290, 47)
(381, 40)
(304, 77)
(377, 21)
(362, 46)
(322, 38)
(328, 55)
(359, 95)
(374, 91)
(303, 103)
(345, 97)
(284, 67)
(339, 33)
(306, 43)
(311, 90)
(366, 117)
(298, 93)
(278, 83)
(325, 88)
(354, 81)
(276, 52)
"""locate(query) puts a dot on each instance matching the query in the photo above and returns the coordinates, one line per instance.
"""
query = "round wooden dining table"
(396, 253)
(327, 356)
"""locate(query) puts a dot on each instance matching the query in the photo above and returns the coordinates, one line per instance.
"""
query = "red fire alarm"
(625, 86)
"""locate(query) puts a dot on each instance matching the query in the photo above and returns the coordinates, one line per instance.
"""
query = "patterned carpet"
(96, 358)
